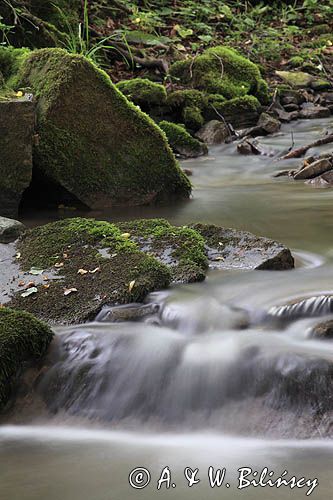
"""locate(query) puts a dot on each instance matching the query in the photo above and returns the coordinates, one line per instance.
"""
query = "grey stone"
(234, 249)
(269, 124)
(322, 181)
(323, 330)
(213, 132)
(10, 229)
(314, 112)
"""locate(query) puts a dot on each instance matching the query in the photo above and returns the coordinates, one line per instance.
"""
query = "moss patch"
(221, 70)
(92, 141)
(181, 248)
(22, 339)
(111, 260)
(143, 92)
(181, 141)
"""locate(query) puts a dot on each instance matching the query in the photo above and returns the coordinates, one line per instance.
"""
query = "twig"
(223, 119)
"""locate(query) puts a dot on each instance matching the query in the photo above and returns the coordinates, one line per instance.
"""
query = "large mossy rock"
(223, 71)
(17, 121)
(23, 339)
(80, 265)
(93, 142)
(93, 263)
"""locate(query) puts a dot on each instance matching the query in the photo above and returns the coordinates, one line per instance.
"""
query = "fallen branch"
(297, 153)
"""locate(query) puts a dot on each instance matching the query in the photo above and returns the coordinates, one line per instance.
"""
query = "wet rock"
(213, 132)
(313, 169)
(113, 154)
(322, 181)
(268, 124)
(286, 117)
(17, 121)
(311, 307)
(323, 330)
(128, 312)
(233, 249)
(253, 147)
(188, 172)
(314, 112)
(10, 229)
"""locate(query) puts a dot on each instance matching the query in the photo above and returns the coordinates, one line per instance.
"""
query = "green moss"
(182, 248)
(143, 92)
(72, 244)
(112, 154)
(186, 98)
(192, 118)
(296, 61)
(221, 70)
(241, 111)
(10, 62)
(181, 141)
(22, 339)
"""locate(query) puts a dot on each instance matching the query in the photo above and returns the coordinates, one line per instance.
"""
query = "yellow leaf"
(19, 94)
(68, 291)
(59, 264)
(131, 285)
(97, 270)
(126, 235)
(82, 272)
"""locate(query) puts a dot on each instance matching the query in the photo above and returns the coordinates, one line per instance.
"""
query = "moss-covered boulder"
(93, 263)
(143, 92)
(221, 70)
(241, 112)
(182, 142)
(23, 339)
(94, 143)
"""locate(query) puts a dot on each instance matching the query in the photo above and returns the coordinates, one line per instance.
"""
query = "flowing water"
(219, 375)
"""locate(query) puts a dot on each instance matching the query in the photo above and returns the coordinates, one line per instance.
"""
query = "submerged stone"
(93, 142)
(323, 330)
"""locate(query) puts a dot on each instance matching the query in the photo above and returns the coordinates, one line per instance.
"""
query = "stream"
(212, 378)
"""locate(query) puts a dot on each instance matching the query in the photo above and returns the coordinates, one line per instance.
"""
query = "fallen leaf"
(18, 255)
(114, 255)
(131, 285)
(30, 284)
(45, 278)
(46, 286)
(30, 291)
(97, 270)
(82, 272)
(35, 271)
(126, 235)
(19, 94)
(65, 255)
(59, 264)
(68, 291)
(21, 283)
